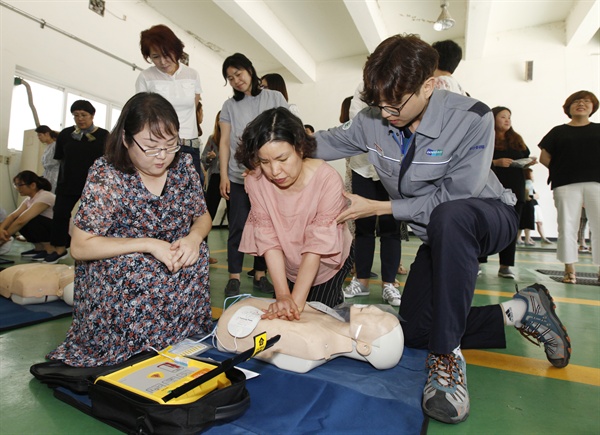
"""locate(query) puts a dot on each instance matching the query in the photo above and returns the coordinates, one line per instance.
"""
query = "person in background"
(508, 148)
(141, 270)
(48, 137)
(77, 148)
(175, 81)
(249, 100)
(450, 55)
(295, 200)
(571, 152)
(583, 247)
(366, 183)
(532, 214)
(210, 162)
(440, 182)
(275, 82)
(309, 129)
(33, 218)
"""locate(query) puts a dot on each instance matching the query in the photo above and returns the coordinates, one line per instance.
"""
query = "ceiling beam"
(582, 23)
(259, 21)
(369, 22)
(476, 34)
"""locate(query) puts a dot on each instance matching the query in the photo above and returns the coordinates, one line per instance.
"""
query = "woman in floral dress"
(141, 274)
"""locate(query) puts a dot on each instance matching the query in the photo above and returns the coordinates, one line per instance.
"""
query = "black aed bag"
(165, 396)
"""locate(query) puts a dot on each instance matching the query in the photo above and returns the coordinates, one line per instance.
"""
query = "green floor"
(523, 396)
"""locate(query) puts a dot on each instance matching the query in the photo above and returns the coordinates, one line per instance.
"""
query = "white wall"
(498, 79)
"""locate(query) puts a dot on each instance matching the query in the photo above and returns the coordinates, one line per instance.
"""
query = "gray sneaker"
(232, 288)
(506, 272)
(355, 288)
(445, 396)
(391, 295)
(541, 322)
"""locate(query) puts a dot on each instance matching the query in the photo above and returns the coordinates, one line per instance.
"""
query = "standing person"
(450, 55)
(440, 182)
(175, 81)
(77, 148)
(142, 263)
(509, 147)
(33, 218)
(51, 166)
(295, 200)
(248, 101)
(366, 183)
(571, 152)
(275, 82)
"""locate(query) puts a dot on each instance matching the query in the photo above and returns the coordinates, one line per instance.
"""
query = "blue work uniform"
(440, 182)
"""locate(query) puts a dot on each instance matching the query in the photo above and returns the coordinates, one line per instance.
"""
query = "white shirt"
(180, 90)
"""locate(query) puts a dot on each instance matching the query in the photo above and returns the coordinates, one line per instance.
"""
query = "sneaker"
(263, 285)
(445, 396)
(232, 288)
(541, 322)
(479, 271)
(251, 272)
(355, 288)
(31, 253)
(40, 256)
(506, 272)
(391, 295)
(53, 257)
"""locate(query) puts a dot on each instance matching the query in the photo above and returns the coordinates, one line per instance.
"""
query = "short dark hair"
(276, 83)
(143, 109)
(278, 124)
(450, 55)
(239, 61)
(310, 127)
(45, 129)
(84, 105)
(163, 39)
(29, 177)
(398, 66)
(577, 96)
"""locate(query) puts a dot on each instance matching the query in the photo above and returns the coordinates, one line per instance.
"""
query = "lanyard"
(402, 141)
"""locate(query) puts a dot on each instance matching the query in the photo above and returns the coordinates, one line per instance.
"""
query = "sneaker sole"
(507, 276)
(350, 296)
(392, 303)
(445, 418)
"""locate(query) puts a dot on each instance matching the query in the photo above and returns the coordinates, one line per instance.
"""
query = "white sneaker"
(355, 288)
(391, 295)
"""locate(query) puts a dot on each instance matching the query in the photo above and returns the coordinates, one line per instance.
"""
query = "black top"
(575, 154)
(511, 178)
(76, 157)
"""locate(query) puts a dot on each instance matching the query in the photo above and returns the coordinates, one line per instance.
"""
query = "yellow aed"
(156, 377)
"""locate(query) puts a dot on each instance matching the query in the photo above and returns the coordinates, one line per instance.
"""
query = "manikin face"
(502, 121)
(240, 80)
(280, 163)
(163, 63)
(154, 166)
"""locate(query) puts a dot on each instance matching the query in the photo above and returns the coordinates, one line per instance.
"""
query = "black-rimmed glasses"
(153, 152)
(395, 111)
(19, 185)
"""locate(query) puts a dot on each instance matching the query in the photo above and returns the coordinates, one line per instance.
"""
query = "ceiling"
(297, 35)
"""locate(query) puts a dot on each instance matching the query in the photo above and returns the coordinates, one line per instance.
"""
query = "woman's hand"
(283, 308)
(210, 156)
(4, 236)
(534, 161)
(186, 252)
(161, 250)
(225, 186)
(502, 163)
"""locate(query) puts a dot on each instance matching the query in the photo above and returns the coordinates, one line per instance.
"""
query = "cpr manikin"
(367, 334)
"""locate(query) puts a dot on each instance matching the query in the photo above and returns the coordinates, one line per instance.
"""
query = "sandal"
(569, 278)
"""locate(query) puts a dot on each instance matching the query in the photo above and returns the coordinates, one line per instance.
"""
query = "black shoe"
(251, 272)
(232, 288)
(53, 257)
(373, 275)
(31, 253)
(263, 285)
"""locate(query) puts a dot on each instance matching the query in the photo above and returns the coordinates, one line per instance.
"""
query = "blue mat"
(14, 316)
(343, 396)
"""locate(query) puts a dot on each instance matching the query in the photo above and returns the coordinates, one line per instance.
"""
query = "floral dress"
(124, 304)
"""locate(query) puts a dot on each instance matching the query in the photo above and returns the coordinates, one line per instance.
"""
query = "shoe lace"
(353, 287)
(389, 291)
(445, 370)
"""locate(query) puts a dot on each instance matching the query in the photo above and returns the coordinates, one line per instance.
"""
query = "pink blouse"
(299, 222)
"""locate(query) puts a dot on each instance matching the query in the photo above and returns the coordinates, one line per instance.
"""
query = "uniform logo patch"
(434, 153)
(347, 125)
(477, 147)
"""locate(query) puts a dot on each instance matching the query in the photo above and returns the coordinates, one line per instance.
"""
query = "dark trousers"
(63, 206)
(212, 195)
(195, 153)
(37, 230)
(506, 257)
(436, 302)
(385, 226)
(239, 208)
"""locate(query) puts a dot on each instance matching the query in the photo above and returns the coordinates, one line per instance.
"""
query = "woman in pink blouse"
(295, 200)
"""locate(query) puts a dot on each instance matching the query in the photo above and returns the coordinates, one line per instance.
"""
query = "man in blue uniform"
(432, 150)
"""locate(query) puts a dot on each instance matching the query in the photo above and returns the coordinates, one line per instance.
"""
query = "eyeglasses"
(153, 152)
(582, 100)
(19, 185)
(395, 111)
(81, 115)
